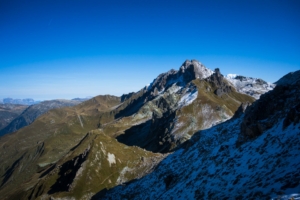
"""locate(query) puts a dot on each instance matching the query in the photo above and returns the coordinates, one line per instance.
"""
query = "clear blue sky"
(67, 49)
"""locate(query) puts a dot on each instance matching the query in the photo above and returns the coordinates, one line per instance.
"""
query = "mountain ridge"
(63, 147)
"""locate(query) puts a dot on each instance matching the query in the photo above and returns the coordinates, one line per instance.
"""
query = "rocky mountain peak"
(193, 69)
(217, 79)
(188, 71)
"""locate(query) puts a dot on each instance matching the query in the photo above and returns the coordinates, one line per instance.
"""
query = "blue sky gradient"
(67, 49)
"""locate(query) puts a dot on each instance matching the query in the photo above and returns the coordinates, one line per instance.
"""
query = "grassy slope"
(97, 173)
(47, 140)
(207, 108)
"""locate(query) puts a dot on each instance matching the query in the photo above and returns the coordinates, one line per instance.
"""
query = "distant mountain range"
(190, 134)
(31, 113)
(30, 101)
(9, 112)
(27, 101)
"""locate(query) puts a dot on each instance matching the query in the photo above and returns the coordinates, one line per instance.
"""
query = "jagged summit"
(217, 79)
(194, 70)
(187, 72)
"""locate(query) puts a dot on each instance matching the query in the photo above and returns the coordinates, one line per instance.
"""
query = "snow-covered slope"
(251, 86)
(213, 167)
(223, 162)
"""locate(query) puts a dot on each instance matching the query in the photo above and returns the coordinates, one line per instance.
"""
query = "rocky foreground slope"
(254, 155)
(76, 152)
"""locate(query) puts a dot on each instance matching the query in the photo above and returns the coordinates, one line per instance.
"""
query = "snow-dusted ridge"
(193, 69)
(250, 86)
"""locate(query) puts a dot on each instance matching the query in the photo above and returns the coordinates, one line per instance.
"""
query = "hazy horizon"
(71, 49)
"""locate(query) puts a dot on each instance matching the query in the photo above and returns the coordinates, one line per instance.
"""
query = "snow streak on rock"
(188, 97)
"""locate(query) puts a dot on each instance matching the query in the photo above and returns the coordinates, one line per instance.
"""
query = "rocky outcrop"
(193, 69)
(217, 80)
(189, 70)
(124, 97)
(283, 101)
(153, 135)
(241, 110)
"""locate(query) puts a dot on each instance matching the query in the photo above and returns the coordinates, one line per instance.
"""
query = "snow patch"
(231, 76)
(121, 179)
(79, 118)
(111, 159)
